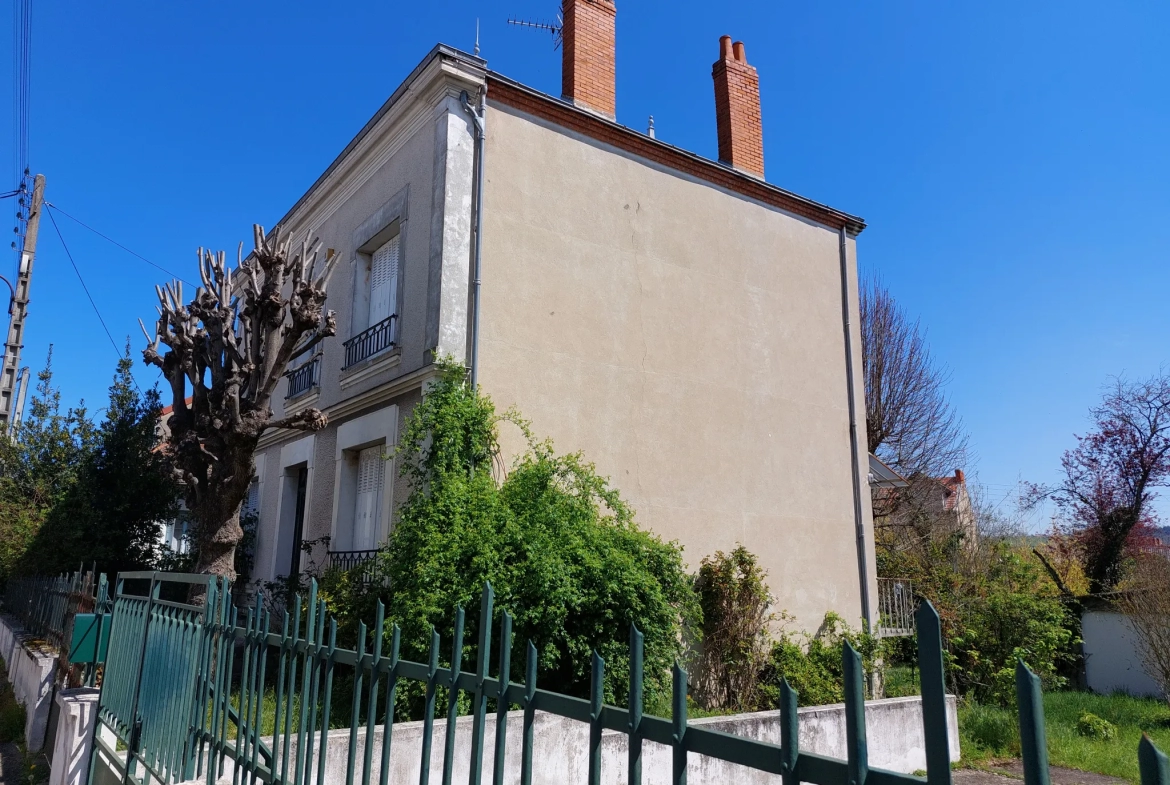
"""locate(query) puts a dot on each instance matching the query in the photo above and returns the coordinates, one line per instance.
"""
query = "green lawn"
(987, 733)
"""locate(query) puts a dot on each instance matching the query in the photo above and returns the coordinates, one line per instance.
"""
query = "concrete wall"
(689, 341)
(1113, 661)
(30, 671)
(560, 750)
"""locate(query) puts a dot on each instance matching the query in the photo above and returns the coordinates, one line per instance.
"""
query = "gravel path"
(1012, 773)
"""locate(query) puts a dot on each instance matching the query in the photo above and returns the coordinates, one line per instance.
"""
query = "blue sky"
(1011, 160)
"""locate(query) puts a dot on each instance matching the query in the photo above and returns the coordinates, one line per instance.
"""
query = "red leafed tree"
(1110, 479)
(227, 350)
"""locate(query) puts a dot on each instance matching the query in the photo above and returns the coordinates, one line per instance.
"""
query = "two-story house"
(689, 326)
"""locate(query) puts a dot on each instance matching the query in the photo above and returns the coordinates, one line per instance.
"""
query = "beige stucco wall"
(689, 341)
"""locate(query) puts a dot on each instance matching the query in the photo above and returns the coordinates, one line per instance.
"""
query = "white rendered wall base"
(30, 672)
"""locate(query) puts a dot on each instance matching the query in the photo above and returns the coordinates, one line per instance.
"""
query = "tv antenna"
(554, 29)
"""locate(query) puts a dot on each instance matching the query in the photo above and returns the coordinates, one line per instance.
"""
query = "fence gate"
(158, 652)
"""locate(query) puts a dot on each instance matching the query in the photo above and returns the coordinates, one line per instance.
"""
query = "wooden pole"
(18, 311)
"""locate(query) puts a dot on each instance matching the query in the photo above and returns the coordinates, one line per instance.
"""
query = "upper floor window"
(380, 331)
(384, 281)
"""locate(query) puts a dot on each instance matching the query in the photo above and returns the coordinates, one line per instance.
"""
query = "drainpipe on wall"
(858, 514)
(477, 115)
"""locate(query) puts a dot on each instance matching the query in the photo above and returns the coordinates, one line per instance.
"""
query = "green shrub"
(734, 600)
(558, 544)
(813, 664)
(1094, 727)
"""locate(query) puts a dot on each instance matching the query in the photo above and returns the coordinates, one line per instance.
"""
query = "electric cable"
(124, 248)
(86, 288)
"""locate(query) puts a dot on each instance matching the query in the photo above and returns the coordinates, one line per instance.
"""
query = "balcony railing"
(363, 561)
(896, 607)
(302, 379)
(371, 340)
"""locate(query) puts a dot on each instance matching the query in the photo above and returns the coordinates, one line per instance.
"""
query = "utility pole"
(18, 310)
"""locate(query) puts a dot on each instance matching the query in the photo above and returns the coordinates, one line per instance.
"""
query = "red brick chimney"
(588, 73)
(737, 109)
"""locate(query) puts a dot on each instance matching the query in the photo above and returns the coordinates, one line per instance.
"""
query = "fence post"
(679, 719)
(453, 698)
(934, 696)
(503, 677)
(424, 776)
(856, 747)
(529, 714)
(789, 734)
(634, 776)
(1153, 764)
(1033, 741)
(479, 699)
(596, 700)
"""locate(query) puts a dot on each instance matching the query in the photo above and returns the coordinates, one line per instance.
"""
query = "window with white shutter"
(384, 281)
(368, 509)
(251, 504)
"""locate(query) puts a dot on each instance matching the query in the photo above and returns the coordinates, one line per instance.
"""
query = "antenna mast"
(18, 309)
(554, 29)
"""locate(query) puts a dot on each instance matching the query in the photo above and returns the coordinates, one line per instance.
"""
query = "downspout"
(477, 120)
(858, 514)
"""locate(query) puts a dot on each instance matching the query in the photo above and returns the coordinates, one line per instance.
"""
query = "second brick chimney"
(737, 109)
(588, 71)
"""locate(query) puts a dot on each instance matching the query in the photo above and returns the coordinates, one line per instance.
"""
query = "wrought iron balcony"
(351, 560)
(302, 379)
(896, 607)
(370, 341)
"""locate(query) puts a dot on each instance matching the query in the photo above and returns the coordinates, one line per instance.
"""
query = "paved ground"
(1012, 772)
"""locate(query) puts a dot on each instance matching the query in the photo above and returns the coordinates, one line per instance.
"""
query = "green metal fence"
(185, 697)
(47, 608)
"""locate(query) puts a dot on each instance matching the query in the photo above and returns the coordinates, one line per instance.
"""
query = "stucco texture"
(688, 341)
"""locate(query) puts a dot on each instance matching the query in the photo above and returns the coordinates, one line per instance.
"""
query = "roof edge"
(518, 96)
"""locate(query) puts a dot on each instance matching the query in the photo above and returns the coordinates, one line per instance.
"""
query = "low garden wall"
(560, 753)
(30, 671)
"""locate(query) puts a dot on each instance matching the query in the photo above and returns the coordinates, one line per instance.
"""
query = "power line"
(115, 242)
(86, 288)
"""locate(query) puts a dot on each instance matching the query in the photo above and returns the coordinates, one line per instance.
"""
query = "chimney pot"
(737, 109)
(959, 475)
(588, 44)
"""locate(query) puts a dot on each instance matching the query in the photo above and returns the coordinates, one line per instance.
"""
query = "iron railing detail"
(354, 560)
(896, 607)
(188, 689)
(375, 338)
(303, 379)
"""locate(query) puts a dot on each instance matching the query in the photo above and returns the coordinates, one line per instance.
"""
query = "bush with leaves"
(110, 515)
(813, 664)
(735, 642)
(557, 542)
(39, 464)
(996, 605)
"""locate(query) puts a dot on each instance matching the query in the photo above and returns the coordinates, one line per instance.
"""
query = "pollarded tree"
(227, 350)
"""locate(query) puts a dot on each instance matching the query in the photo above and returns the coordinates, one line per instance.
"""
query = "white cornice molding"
(438, 83)
(339, 411)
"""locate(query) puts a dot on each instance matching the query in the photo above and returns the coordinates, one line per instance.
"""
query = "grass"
(990, 732)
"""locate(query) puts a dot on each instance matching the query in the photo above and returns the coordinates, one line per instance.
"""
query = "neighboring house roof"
(953, 488)
(168, 410)
(882, 476)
